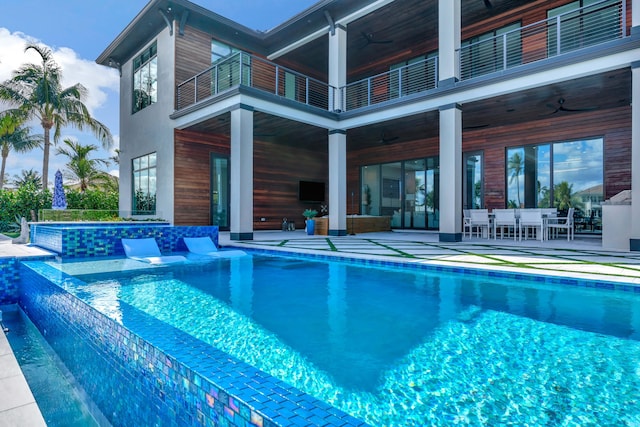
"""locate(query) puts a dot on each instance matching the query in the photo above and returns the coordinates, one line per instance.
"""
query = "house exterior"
(412, 109)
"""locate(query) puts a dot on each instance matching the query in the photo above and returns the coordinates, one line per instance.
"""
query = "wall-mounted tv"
(311, 191)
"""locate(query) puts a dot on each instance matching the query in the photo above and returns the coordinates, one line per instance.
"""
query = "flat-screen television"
(311, 191)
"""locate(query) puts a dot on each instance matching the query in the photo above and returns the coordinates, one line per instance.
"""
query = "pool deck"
(582, 258)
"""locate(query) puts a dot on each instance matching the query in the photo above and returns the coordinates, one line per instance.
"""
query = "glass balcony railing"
(570, 31)
(252, 71)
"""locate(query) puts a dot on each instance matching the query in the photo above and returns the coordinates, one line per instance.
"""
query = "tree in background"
(13, 136)
(27, 177)
(36, 91)
(514, 166)
(81, 168)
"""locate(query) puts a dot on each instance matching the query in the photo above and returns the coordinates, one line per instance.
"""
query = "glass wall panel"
(220, 192)
(391, 203)
(370, 199)
(561, 175)
(473, 184)
(578, 181)
(415, 194)
(515, 177)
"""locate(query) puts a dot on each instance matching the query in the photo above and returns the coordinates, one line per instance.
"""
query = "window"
(487, 53)
(582, 23)
(226, 73)
(145, 78)
(473, 184)
(561, 175)
(144, 185)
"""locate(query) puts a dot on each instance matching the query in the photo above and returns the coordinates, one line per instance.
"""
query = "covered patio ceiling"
(401, 30)
(587, 94)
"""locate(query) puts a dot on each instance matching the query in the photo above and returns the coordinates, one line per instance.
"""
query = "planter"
(311, 227)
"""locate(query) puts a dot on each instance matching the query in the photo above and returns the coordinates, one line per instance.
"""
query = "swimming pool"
(399, 348)
(60, 400)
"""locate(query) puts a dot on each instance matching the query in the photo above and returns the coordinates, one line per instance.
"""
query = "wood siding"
(277, 171)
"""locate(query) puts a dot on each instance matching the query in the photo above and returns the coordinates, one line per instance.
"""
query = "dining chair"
(564, 224)
(531, 219)
(466, 222)
(504, 218)
(480, 221)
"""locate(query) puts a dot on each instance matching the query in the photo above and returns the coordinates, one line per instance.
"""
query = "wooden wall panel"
(277, 171)
(193, 53)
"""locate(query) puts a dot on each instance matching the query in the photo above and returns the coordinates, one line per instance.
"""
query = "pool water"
(57, 395)
(403, 348)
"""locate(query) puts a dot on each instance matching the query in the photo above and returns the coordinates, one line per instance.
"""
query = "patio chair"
(504, 218)
(563, 223)
(531, 219)
(480, 221)
(466, 222)
(204, 247)
(146, 250)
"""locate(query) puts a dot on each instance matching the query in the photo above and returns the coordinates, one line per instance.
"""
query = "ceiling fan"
(370, 40)
(560, 107)
(384, 140)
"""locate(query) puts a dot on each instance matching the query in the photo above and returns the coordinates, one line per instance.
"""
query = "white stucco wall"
(149, 130)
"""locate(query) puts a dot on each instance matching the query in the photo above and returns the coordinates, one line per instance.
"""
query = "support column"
(634, 243)
(241, 173)
(635, 16)
(337, 183)
(451, 173)
(337, 66)
(448, 42)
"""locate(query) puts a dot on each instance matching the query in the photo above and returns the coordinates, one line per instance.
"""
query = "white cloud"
(101, 83)
(96, 78)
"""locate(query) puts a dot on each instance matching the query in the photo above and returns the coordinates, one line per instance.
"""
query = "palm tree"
(36, 90)
(20, 140)
(28, 177)
(515, 165)
(82, 169)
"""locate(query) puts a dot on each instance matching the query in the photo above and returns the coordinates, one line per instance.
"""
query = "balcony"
(567, 32)
(252, 71)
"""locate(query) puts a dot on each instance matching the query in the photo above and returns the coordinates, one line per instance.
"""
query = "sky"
(78, 31)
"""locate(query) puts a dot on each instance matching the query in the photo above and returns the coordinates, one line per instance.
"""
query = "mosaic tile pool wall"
(134, 382)
(8, 281)
(82, 240)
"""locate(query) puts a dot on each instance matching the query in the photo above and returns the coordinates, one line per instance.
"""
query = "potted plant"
(309, 214)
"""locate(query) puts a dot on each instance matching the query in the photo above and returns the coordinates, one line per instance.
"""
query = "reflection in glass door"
(220, 191)
(405, 191)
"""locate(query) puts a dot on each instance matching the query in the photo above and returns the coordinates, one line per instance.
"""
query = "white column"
(337, 183)
(634, 243)
(337, 66)
(451, 173)
(448, 40)
(241, 173)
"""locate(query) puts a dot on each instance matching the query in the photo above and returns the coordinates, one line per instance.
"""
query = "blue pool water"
(59, 398)
(402, 348)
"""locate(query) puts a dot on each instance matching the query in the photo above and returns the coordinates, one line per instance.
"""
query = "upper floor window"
(492, 51)
(144, 185)
(145, 78)
(220, 51)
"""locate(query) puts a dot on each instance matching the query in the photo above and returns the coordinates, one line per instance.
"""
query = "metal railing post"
(195, 89)
(558, 32)
(306, 90)
(368, 92)
(277, 79)
(504, 51)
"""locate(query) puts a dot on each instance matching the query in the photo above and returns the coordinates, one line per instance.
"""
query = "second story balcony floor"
(567, 29)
